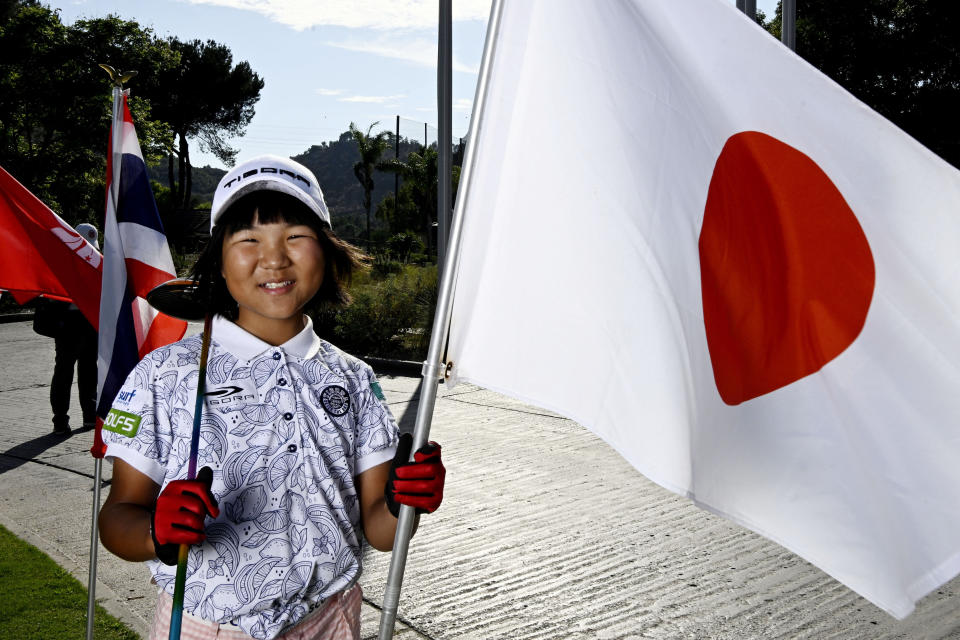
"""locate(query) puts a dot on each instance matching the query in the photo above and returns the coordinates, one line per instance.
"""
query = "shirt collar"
(246, 346)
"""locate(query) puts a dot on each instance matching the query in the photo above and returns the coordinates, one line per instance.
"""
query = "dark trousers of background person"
(76, 347)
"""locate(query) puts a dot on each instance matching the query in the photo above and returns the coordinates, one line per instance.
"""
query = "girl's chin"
(270, 313)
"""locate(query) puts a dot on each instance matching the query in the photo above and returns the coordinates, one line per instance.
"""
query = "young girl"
(300, 451)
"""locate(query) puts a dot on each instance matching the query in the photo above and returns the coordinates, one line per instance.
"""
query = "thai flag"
(136, 259)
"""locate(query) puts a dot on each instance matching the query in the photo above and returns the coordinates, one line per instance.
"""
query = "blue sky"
(325, 63)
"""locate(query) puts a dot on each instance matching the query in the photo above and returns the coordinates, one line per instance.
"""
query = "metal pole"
(433, 368)
(788, 24)
(116, 159)
(750, 9)
(444, 133)
(740, 5)
(396, 175)
(94, 539)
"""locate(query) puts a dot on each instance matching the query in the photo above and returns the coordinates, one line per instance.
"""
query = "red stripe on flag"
(163, 330)
(143, 277)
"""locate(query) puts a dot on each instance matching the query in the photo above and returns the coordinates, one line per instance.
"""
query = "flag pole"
(434, 369)
(115, 132)
(444, 136)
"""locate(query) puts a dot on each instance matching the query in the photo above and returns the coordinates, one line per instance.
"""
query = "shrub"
(390, 317)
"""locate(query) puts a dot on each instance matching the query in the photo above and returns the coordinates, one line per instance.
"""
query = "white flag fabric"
(685, 238)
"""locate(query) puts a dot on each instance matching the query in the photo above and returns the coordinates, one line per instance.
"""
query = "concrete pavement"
(544, 533)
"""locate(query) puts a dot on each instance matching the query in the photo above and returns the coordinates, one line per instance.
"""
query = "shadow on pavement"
(27, 451)
(408, 420)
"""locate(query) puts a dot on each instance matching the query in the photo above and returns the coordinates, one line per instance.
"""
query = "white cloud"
(372, 99)
(370, 14)
(420, 51)
(462, 104)
(329, 92)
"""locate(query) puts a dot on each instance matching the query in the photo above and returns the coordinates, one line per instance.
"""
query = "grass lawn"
(39, 600)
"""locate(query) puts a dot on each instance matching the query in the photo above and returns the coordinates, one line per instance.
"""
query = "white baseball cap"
(89, 232)
(271, 173)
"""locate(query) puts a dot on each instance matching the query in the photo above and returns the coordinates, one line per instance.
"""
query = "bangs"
(268, 207)
(341, 259)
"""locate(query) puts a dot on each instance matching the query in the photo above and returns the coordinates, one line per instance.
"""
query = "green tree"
(418, 193)
(208, 98)
(901, 57)
(55, 101)
(371, 148)
(416, 204)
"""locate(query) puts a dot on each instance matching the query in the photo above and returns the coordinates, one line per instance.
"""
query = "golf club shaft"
(176, 613)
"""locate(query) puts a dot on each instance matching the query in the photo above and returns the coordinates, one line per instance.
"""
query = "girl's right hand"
(180, 511)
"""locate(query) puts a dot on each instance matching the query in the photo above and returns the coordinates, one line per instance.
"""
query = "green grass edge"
(40, 600)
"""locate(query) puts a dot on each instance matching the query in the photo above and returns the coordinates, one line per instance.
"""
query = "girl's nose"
(273, 256)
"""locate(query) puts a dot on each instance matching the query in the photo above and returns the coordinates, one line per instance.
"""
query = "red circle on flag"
(786, 272)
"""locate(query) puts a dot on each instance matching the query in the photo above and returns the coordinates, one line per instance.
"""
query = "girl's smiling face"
(272, 270)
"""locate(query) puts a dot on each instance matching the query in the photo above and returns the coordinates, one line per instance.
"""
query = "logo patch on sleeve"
(377, 391)
(126, 424)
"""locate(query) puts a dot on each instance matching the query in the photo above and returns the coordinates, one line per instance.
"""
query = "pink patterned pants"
(338, 619)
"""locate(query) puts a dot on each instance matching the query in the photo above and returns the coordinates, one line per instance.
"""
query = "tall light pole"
(444, 133)
(788, 24)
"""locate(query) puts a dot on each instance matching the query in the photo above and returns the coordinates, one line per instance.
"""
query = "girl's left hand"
(419, 483)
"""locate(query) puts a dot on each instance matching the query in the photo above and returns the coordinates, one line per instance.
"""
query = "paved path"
(545, 533)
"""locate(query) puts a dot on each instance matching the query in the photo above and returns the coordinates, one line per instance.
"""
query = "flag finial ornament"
(117, 77)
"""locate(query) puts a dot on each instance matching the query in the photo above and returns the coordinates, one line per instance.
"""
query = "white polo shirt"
(286, 431)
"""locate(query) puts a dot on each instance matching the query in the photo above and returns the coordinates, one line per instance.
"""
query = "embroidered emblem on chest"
(335, 400)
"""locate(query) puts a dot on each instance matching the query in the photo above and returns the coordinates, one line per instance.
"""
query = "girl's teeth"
(276, 285)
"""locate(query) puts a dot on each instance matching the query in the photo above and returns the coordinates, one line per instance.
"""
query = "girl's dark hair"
(340, 257)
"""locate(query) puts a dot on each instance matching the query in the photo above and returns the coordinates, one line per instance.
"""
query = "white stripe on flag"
(146, 245)
(143, 316)
(130, 143)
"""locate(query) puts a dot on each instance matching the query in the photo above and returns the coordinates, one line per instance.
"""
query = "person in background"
(76, 346)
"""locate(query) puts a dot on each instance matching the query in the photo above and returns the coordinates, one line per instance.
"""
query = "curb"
(16, 317)
(395, 367)
(381, 365)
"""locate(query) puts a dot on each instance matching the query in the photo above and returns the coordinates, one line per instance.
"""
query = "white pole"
(115, 152)
(92, 575)
(434, 368)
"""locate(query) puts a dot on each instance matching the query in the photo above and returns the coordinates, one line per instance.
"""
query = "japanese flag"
(685, 238)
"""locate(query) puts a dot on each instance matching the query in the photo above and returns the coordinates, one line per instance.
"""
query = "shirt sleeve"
(131, 430)
(377, 431)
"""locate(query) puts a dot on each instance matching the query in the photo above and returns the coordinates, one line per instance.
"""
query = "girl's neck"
(273, 331)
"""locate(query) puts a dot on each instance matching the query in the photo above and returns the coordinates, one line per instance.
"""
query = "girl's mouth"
(278, 284)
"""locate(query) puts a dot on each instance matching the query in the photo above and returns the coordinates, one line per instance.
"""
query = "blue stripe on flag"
(123, 358)
(136, 198)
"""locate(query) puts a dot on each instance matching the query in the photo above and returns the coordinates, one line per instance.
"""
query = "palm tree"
(370, 147)
(419, 171)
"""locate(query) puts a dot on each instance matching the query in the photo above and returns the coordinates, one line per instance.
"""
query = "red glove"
(417, 484)
(179, 513)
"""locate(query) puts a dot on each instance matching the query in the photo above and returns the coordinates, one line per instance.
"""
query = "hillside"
(332, 162)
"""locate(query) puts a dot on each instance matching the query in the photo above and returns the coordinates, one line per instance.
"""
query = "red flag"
(43, 255)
